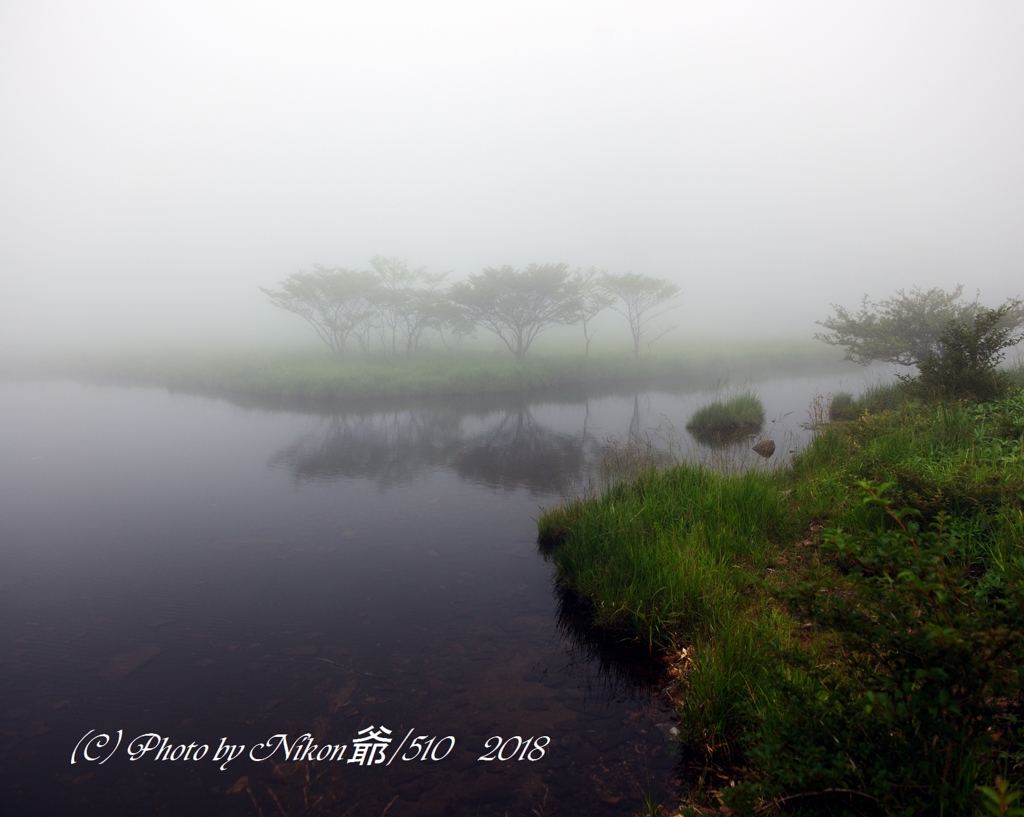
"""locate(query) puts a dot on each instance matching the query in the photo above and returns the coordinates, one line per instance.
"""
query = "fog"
(161, 161)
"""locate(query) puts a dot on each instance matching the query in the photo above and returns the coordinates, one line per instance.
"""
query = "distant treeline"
(392, 307)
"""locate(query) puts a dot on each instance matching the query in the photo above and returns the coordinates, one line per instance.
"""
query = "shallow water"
(181, 572)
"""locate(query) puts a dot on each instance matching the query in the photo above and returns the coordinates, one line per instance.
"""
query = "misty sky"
(161, 161)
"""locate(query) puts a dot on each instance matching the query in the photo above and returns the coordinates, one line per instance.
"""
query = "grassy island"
(314, 380)
(725, 421)
(845, 635)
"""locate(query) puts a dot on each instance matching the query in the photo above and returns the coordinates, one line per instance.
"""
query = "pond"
(211, 609)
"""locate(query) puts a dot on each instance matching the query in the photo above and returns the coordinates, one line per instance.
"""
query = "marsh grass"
(882, 396)
(725, 420)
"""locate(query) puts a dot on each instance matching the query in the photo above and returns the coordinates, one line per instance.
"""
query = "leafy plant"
(929, 654)
(1000, 800)
(842, 407)
(905, 328)
(965, 365)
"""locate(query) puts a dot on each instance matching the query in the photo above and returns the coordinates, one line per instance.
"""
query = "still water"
(209, 609)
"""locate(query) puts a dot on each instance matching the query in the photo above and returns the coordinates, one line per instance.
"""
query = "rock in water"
(765, 448)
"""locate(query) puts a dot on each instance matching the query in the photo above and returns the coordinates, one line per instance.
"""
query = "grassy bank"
(317, 380)
(845, 635)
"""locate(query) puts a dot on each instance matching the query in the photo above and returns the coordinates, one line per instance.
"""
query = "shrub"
(906, 328)
(910, 713)
(966, 366)
(842, 407)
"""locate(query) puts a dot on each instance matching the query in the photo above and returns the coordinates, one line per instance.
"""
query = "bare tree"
(518, 305)
(643, 300)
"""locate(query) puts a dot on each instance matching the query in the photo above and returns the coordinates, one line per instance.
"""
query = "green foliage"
(906, 328)
(660, 551)
(928, 653)
(876, 399)
(842, 407)
(886, 676)
(881, 397)
(965, 365)
(672, 555)
(1000, 800)
(516, 305)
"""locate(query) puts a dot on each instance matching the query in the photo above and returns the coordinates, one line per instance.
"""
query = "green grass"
(671, 558)
(686, 559)
(657, 554)
(742, 414)
(842, 407)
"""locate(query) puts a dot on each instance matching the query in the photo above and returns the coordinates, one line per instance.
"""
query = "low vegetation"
(739, 415)
(844, 636)
(318, 381)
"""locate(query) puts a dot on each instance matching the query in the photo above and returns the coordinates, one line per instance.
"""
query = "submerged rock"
(765, 448)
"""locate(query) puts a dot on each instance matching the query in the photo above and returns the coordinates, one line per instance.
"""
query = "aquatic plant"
(724, 420)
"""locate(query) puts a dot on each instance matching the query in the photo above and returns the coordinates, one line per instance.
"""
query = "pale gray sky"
(160, 161)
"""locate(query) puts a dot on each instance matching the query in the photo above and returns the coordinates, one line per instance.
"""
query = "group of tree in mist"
(394, 308)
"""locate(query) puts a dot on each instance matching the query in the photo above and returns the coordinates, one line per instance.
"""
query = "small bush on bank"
(966, 367)
(842, 407)
(882, 397)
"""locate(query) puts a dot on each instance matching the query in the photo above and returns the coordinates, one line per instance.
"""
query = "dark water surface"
(180, 572)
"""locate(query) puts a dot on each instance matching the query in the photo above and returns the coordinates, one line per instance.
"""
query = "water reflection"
(604, 664)
(730, 438)
(159, 577)
(509, 449)
(543, 445)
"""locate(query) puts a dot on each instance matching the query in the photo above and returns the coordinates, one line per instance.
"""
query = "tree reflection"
(508, 449)
(517, 451)
(389, 448)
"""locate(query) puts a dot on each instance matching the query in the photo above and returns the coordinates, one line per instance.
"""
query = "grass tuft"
(727, 420)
